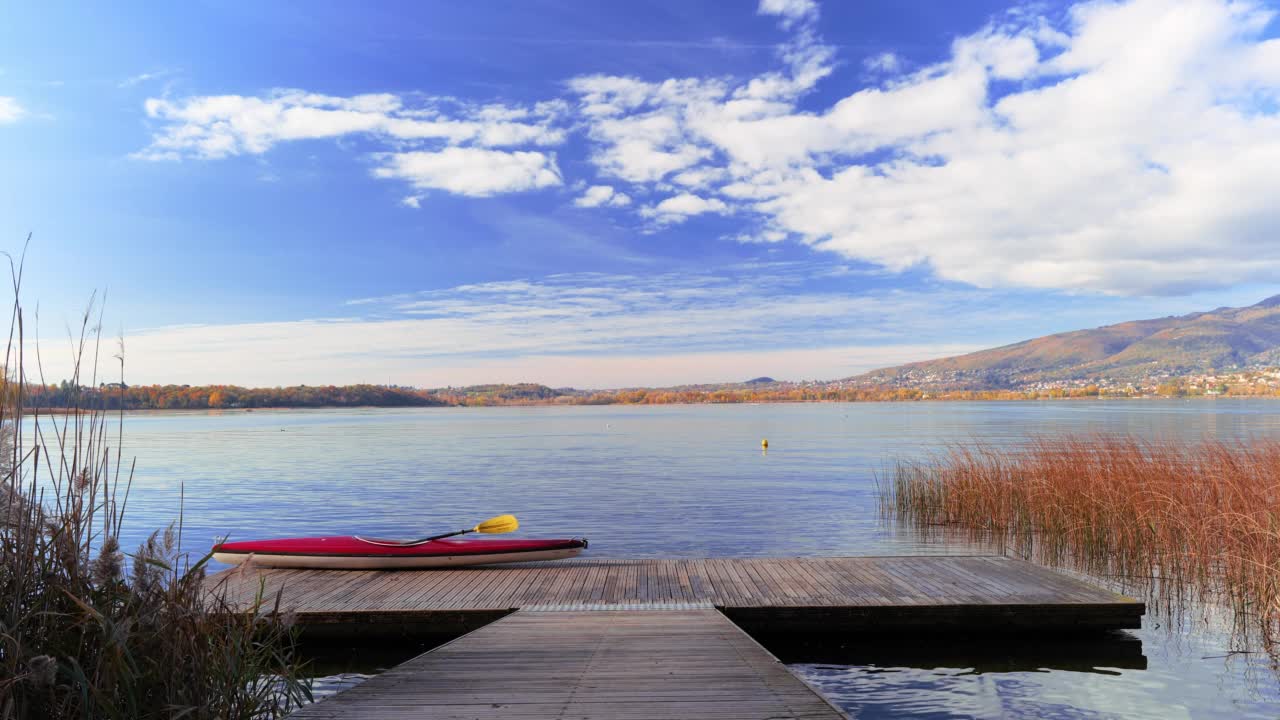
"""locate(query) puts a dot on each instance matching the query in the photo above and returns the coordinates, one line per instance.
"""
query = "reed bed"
(1186, 523)
(86, 629)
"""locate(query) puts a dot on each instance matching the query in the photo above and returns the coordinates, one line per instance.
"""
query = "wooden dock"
(983, 593)
(652, 639)
(585, 665)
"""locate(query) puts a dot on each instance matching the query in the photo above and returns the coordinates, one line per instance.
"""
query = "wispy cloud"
(11, 110)
(792, 11)
(790, 320)
(596, 330)
(613, 330)
(885, 62)
(202, 355)
(140, 78)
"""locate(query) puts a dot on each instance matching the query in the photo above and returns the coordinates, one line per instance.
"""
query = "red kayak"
(350, 552)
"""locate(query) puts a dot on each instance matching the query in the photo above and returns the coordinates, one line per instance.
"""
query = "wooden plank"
(641, 665)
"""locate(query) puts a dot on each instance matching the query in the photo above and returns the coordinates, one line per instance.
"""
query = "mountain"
(1140, 349)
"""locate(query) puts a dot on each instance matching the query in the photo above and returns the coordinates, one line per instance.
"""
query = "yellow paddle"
(492, 526)
(497, 525)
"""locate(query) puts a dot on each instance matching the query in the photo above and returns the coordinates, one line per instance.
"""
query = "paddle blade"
(498, 525)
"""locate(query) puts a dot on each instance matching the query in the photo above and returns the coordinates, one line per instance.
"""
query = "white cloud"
(477, 172)
(683, 206)
(646, 132)
(1138, 165)
(602, 196)
(700, 178)
(222, 125)
(807, 59)
(641, 147)
(458, 139)
(1005, 56)
(1128, 150)
(11, 110)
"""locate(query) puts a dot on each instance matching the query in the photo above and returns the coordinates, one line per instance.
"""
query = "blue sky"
(611, 194)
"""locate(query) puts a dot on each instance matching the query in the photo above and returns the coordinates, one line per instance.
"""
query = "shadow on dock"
(1102, 652)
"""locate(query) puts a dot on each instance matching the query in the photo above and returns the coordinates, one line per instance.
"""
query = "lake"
(690, 481)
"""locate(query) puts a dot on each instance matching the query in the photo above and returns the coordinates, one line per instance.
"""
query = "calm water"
(692, 481)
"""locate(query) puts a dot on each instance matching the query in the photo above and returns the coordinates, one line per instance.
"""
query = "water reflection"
(919, 676)
(870, 693)
(334, 667)
(325, 686)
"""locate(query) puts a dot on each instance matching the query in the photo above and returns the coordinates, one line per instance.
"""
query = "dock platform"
(982, 593)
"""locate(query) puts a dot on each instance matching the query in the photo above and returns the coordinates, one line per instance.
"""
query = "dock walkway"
(585, 665)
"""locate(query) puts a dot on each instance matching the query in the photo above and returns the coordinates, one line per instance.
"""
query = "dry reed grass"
(1187, 524)
(86, 631)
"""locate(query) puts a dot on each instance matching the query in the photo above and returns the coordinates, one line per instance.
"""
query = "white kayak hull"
(392, 562)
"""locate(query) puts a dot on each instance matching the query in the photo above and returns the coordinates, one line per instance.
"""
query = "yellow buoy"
(765, 443)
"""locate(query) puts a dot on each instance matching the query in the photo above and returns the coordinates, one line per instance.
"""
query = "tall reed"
(1183, 521)
(87, 631)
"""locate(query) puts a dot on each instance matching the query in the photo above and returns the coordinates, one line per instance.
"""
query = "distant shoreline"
(760, 390)
(278, 408)
(235, 398)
